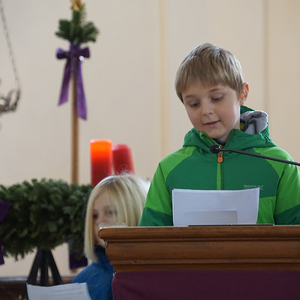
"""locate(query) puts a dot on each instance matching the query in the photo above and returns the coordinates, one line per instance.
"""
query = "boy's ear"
(244, 93)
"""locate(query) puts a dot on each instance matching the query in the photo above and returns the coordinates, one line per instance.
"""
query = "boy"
(210, 84)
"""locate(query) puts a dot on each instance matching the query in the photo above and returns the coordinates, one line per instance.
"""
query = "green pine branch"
(77, 31)
(43, 214)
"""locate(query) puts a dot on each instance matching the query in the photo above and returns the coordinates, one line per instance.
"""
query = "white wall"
(283, 73)
(129, 81)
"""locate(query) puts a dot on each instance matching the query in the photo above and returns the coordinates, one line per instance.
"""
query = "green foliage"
(43, 214)
(77, 31)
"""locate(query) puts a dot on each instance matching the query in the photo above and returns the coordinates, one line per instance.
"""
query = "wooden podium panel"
(237, 247)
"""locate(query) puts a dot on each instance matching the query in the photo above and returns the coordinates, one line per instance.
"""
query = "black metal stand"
(44, 261)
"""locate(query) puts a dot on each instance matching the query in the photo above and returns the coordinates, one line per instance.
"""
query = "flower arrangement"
(43, 214)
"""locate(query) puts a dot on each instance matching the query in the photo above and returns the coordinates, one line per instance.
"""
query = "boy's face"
(214, 109)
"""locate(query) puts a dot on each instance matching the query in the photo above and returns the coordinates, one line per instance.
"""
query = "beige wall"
(283, 73)
(129, 81)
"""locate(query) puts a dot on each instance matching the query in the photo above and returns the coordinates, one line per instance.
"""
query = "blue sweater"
(98, 277)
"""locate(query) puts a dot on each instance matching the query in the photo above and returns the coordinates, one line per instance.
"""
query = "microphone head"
(215, 148)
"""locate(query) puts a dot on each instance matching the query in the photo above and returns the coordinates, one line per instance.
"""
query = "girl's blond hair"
(128, 193)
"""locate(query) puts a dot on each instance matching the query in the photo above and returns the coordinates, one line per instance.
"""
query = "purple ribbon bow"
(73, 66)
(4, 206)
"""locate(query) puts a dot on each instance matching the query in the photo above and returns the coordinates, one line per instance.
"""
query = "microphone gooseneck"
(216, 149)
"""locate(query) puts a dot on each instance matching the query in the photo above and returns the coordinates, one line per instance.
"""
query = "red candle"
(122, 160)
(101, 160)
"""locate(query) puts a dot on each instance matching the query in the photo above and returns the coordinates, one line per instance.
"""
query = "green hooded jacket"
(195, 167)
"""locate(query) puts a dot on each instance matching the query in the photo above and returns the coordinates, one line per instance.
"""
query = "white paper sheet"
(198, 207)
(70, 291)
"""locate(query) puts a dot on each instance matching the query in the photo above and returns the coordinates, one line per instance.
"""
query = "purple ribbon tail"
(64, 94)
(75, 263)
(73, 66)
(81, 102)
(4, 207)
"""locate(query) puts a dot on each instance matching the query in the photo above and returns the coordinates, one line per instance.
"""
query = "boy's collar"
(222, 144)
(243, 127)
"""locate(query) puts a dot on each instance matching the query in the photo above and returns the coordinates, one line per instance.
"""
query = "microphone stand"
(216, 149)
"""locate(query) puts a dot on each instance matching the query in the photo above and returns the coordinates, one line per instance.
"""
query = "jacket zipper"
(219, 174)
(220, 157)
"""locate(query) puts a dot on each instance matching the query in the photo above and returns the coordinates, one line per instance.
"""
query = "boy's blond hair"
(128, 193)
(211, 65)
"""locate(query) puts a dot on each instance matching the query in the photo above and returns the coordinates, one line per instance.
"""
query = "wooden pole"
(75, 134)
(75, 139)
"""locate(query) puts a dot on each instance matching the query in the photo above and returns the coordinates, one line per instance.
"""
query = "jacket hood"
(257, 134)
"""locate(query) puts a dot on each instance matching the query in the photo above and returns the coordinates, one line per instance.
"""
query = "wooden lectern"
(238, 247)
(217, 262)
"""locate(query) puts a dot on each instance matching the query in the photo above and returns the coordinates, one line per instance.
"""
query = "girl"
(117, 199)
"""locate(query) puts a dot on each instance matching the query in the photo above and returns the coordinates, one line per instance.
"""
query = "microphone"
(216, 149)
